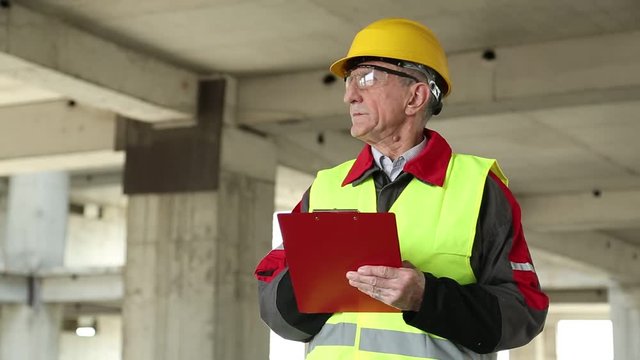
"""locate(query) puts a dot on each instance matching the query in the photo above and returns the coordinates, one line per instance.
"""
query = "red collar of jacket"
(429, 166)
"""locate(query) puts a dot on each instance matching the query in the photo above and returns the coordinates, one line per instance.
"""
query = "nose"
(352, 94)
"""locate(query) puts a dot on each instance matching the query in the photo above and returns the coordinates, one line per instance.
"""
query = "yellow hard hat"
(399, 39)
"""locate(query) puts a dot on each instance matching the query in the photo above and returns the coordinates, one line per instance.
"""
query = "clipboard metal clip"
(355, 217)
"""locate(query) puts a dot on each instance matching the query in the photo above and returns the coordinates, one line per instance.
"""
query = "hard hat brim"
(337, 68)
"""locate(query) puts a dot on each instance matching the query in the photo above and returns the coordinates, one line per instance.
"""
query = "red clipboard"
(322, 246)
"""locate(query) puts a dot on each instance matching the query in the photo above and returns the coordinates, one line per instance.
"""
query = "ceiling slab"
(309, 34)
(612, 256)
(52, 55)
(14, 92)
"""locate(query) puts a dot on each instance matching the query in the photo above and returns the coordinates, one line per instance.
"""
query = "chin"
(362, 136)
(358, 128)
(356, 133)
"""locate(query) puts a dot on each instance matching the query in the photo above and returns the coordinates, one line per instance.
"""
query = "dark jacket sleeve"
(278, 307)
(506, 307)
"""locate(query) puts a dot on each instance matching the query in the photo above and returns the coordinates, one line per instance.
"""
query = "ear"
(418, 100)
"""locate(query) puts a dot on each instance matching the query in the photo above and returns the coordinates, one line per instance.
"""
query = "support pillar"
(4, 194)
(547, 348)
(37, 209)
(246, 206)
(625, 315)
(191, 250)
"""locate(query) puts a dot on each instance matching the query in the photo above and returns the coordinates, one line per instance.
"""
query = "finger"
(351, 275)
(375, 281)
(363, 279)
(380, 295)
(379, 271)
(365, 287)
(375, 293)
(367, 292)
(367, 279)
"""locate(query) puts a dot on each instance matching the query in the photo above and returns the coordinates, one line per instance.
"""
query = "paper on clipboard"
(322, 246)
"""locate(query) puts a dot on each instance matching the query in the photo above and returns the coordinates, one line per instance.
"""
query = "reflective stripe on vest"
(389, 342)
(342, 334)
(436, 229)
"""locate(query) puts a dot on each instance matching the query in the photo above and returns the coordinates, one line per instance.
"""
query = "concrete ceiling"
(266, 36)
(559, 107)
(576, 149)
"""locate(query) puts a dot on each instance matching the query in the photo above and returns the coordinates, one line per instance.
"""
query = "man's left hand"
(402, 288)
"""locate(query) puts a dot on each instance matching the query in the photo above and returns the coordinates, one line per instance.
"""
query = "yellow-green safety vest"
(436, 230)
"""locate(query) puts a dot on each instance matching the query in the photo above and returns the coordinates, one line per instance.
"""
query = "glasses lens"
(365, 77)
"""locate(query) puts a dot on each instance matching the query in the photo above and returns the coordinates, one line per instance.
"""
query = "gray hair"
(429, 76)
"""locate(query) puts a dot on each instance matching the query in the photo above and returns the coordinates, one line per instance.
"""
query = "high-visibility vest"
(436, 230)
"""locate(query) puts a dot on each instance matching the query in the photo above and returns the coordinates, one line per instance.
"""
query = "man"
(468, 286)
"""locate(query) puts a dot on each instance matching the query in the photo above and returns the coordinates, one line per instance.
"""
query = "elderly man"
(468, 287)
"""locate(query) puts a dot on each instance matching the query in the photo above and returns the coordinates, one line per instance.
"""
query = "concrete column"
(625, 315)
(4, 192)
(30, 332)
(189, 289)
(170, 276)
(247, 202)
(547, 342)
(37, 209)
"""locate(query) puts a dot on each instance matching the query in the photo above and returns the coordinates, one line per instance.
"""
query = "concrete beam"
(618, 258)
(54, 55)
(597, 69)
(310, 151)
(96, 180)
(583, 211)
(237, 157)
(300, 157)
(82, 286)
(564, 296)
(63, 162)
(67, 137)
(96, 285)
(289, 98)
(338, 122)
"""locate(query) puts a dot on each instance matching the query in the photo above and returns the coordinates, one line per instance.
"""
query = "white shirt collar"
(394, 168)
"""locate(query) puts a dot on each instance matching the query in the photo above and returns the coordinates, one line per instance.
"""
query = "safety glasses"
(367, 76)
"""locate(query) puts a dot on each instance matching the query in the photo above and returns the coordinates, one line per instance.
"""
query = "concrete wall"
(96, 242)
